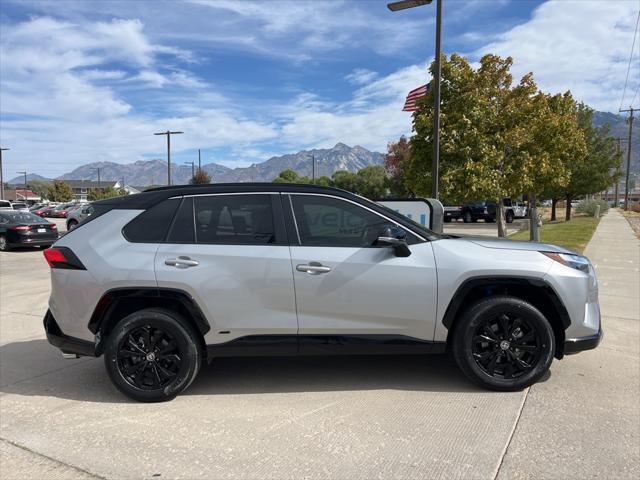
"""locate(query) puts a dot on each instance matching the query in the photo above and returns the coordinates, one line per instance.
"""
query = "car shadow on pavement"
(35, 368)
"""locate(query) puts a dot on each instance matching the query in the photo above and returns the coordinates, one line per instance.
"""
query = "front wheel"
(503, 343)
(509, 217)
(152, 355)
(71, 224)
(4, 245)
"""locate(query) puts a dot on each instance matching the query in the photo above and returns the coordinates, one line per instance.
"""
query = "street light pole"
(313, 169)
(199, 163)
(168, 133)
(24, 190)
(626, 181)
(435, 161)
(193, 173)
(98, 169)
(1, 177)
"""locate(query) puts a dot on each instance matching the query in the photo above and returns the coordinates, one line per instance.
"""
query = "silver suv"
(176, 276)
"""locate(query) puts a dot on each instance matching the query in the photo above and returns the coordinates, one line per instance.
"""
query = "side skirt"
(286, 345)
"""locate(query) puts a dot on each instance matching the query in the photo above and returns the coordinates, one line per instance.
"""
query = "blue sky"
(84, 81)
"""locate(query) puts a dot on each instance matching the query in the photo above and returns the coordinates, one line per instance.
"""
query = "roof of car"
(152, 196)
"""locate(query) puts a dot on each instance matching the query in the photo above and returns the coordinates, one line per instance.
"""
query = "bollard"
(596, 214)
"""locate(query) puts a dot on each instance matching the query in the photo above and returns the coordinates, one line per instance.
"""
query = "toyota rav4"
(162, 281)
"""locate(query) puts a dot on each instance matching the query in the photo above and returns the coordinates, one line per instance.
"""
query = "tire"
(71, 224)
(466, 217)
(133, 355)
(509, 217)
(4, 246)
(490, 358)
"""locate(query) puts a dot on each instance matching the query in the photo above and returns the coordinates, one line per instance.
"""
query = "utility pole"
(626, 182)
(199, 163)
(24, 191)
(1, 177)
(313, 169)
(193, 173)
(99, 185)
(616, 193)
(168, 133)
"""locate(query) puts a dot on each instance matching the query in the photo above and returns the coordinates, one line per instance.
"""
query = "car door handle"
(181, 262)
(314, 268)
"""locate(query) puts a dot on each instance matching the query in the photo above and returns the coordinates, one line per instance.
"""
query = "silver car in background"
(165, 280)
(76, 216)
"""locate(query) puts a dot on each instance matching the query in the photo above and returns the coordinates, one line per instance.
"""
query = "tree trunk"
(534, 231)
(553, 209)
(500, 220)
(567, 214)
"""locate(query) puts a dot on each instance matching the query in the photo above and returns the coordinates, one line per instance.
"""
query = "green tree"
(498, 139)
(323, 181)
(396, 163)
(345, 180)
(200, 178)
(597, 168)
(107, 192)
(39, 187)
(60, 191)
(372, 182)
(290, 176)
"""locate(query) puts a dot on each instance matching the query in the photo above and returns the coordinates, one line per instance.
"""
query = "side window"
(182, 230)
(151, 225)
(326, 221)
(234, 219)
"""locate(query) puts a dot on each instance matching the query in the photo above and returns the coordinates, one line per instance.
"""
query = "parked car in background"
(24, 229)
(20, 206)
(5, 205)
(37, 206)
(61, 211)
(451, 212)
(487, 210)
(77, 215)
(44, 211)
(520, 210)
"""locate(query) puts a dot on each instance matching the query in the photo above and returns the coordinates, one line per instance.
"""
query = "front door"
(347, 286)
(229, 251)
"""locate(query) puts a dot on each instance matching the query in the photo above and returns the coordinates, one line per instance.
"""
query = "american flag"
(412, 98)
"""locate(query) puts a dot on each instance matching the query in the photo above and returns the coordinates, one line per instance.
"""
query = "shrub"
(588, 207)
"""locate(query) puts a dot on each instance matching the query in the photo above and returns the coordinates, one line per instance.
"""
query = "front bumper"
(576, 345)
(64, 342)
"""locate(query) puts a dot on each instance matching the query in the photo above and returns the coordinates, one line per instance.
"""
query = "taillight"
(63, 257)
(21, 228)
(53, 226)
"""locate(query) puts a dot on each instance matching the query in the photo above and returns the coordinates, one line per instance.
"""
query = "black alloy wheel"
(152, 355)
(503, 343)
(506, 346)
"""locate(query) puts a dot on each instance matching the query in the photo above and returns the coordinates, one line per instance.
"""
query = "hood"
(506, 244)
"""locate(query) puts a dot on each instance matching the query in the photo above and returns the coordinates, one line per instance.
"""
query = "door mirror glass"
(395, 237)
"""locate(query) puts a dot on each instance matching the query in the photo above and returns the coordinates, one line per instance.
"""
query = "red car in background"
(61, 211)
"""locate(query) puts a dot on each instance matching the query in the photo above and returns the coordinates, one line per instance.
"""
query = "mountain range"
(154, 172)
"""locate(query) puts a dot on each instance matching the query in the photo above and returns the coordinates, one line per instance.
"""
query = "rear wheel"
(503, 343)
(152, 355)
(4, 246)
(71, 224)
(466, 217)
(509, 217)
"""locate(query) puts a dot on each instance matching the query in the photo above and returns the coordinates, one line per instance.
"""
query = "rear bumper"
(576, 345)
(64, 342)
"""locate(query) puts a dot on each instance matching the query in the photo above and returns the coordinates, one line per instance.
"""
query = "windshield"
(22, 217)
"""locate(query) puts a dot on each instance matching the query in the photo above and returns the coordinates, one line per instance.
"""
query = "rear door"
(345, 285)
(230, 252)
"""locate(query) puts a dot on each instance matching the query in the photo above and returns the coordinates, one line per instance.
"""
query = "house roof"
(19, 194)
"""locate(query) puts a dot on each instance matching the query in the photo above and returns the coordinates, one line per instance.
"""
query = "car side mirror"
(396, 238)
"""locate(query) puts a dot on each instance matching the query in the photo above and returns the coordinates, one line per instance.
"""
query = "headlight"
(578, 262)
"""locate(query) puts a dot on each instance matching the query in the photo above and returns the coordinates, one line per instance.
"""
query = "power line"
(633, 46)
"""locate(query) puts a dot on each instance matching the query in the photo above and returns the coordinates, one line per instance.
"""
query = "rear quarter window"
(151, 226)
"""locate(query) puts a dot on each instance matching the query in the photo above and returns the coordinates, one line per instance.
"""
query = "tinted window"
(234, 219)
(326, 221)
(182, 230)
(151, 225)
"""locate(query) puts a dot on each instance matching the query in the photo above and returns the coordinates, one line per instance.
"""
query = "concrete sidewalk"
(584, 421)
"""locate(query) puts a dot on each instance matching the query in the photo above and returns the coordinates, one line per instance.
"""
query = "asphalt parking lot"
(360, 418)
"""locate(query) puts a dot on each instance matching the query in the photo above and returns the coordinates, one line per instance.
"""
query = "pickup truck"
(486, 210)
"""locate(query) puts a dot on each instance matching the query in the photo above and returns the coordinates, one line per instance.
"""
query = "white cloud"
(361, 76)
(575, 45)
